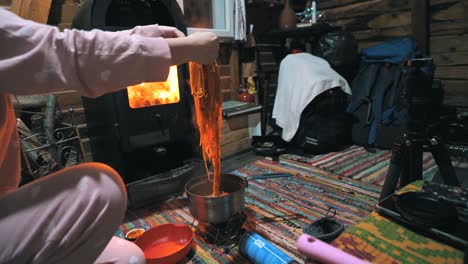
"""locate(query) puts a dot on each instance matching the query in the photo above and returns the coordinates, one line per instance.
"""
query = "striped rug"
(279, 209)
(358, 163)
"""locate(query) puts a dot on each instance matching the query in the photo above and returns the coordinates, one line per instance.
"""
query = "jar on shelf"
(245, 96)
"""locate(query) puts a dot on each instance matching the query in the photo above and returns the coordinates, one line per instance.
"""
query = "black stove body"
(140, 142)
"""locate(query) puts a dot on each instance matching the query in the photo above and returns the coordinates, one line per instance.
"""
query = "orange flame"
(155, 93)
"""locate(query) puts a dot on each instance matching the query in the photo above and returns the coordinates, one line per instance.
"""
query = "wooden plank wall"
(371, 21)
(374, 21)
(449, 47)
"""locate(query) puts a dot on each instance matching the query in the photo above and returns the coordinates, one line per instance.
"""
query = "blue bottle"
(260, 251)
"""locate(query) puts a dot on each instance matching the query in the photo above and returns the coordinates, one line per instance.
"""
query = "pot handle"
(270, 175)
(265, 176)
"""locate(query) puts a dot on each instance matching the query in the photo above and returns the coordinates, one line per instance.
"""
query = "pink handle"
(318, 250)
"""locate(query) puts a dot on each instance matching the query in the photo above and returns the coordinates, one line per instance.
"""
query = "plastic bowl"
(166, 243)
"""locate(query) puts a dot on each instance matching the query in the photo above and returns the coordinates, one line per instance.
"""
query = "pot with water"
(218, 209)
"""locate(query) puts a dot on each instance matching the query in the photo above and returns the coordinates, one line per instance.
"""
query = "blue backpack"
(379, 111)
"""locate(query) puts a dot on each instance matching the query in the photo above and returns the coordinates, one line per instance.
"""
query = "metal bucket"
(218, 209)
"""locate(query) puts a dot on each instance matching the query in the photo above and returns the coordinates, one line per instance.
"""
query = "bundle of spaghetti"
(204, 82)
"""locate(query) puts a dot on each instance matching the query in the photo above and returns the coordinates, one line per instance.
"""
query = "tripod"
(422, 99)
(406, 162)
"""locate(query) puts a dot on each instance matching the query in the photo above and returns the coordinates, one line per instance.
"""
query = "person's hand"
(170, 32)
(206, 45)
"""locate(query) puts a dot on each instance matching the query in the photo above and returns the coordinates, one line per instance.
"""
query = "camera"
(423, 98)
(422, 94)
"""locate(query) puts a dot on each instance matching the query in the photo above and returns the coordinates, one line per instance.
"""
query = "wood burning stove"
(138, 140)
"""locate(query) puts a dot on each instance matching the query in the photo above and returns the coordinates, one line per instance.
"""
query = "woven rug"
(280, 208)
(379, 240)
(358, 163)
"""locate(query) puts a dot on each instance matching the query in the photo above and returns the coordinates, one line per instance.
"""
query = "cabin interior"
(311, 169)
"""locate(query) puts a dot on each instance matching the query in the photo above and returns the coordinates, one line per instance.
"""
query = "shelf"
(314, 30)
(234, 108)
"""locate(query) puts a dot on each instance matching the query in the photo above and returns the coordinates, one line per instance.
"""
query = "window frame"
(228, 32)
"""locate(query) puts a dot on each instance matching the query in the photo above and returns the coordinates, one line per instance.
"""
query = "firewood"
(49, 125)
(25, 132)
(29, 101)
(33, 156)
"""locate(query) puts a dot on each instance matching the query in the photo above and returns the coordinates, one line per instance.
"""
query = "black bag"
(379, 115)
(378, 104)
(324, 125)
(340, 49)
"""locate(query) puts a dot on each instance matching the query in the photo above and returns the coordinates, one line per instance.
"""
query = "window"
(209, 15)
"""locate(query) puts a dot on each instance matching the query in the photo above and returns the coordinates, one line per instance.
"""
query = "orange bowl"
(166, 243)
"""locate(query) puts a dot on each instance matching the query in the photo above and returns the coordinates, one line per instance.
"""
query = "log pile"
(48, 143)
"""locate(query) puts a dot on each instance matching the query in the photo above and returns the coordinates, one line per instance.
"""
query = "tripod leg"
(394, 171)
(442, 160)
(415, 159)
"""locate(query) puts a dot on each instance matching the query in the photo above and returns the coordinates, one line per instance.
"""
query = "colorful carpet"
(280, 208)
(379, 240)
(358, 163)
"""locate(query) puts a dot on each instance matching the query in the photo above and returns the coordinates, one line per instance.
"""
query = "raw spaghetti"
(204, 82)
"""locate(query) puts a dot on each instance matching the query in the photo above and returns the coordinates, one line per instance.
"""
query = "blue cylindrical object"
(260, 251)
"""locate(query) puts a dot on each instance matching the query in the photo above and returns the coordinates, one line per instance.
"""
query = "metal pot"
(218, 209)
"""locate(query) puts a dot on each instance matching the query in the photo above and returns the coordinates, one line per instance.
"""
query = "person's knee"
(121, 251)
(103, 185)
(102, 170)
(137, 257)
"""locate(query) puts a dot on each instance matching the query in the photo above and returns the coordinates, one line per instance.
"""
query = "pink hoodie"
(37, 58)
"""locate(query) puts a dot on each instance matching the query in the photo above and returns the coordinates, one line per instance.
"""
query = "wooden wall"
(374, 21)
(449, 47)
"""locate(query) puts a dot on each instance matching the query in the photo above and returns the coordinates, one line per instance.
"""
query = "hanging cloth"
(240, 24)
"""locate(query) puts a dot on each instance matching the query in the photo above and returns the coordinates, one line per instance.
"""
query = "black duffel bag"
(324, 125)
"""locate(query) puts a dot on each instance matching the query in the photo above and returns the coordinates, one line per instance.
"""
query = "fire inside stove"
(155, 93)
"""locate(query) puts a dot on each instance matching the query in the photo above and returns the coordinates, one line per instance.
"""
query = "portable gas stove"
(222, 233)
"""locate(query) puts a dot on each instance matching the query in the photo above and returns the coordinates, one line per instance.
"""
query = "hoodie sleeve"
(37, 58)
(151, 31)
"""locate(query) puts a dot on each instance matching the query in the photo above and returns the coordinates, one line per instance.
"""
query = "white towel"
(301, 78)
